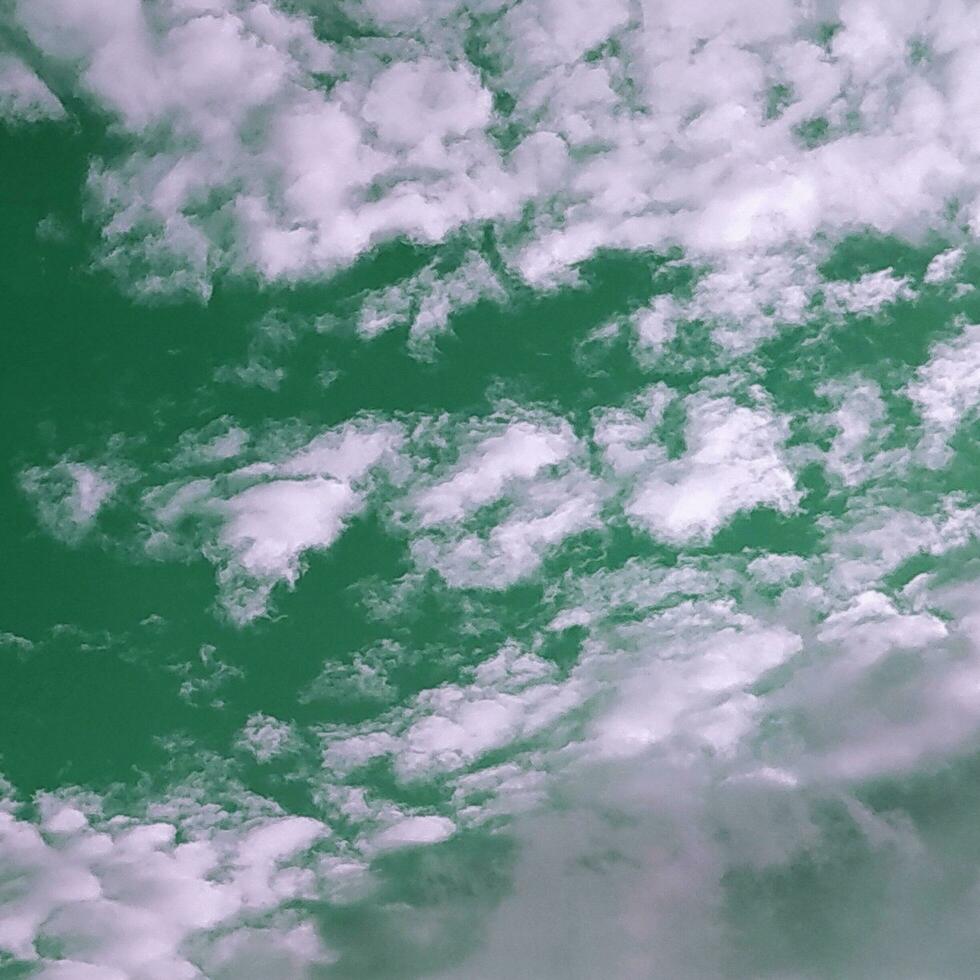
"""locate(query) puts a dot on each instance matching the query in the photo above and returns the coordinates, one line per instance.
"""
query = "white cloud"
(451, 100)
(690, 679)
(871, 539)
(268, 526)
(425, 301)
(555, 33)
(944, 266)
(518, 453)
(858, 423)
(69, 495)
(748, 297)
(266, 737)
(681, 141)
(530, 469)
(251, 953)
(127, 899)
(656, 324)
(868, 294)
(513, 696)
(733, 462)
(545, 515)
(672, 701)
(23, 96)
(413, 831)
(627, 436)
(219, 440)
(258, 522)
(946, 389)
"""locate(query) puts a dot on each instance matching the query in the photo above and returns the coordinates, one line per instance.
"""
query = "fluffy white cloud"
(513, 695)
(689, 680)
(413, 831)
(735, 136)
(858, 422)
(258, 521)
(944, 266)
(947, 389)
(868, 294)
(125, 899)
(268, 526)
(23, 96)
(531, 471)
(426, 300)
(518, 453)
(266, 737)
(69, 495)
(453, 101)
(732, 462)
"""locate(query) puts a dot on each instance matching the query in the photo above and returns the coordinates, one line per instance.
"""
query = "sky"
(489, 489)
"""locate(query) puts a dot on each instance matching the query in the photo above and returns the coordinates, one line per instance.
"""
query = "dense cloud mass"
(494, 490)
(265, 142)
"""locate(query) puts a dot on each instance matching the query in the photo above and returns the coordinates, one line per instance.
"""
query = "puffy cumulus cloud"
(254, 145)
(266, 737)
(220, 439)
(121, 898)
(268, 527)
(678, 680)
(257, 522)
(238, 159)
(511, 697)
(872, 540)
(727, 103)
(748, 297)
(944, 266)
(518, 453)
(414, 831)
(627, 437)
(69, 495)
(689, 680)
(745, 297)
(546, 515)
(655, 325)
(946, 390)
(424, 302)
(455, 101)
(558, 33)
(867, 295)
(23, 96)
(733, 462)
(518, 489)
(858, 422)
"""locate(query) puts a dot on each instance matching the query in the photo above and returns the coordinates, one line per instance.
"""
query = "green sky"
(489, 490)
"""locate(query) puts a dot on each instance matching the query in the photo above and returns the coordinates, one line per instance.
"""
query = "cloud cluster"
(252, 143)
(23, 96)
(716, 713)
(122, 898)
(69, 495)
(257, 521)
